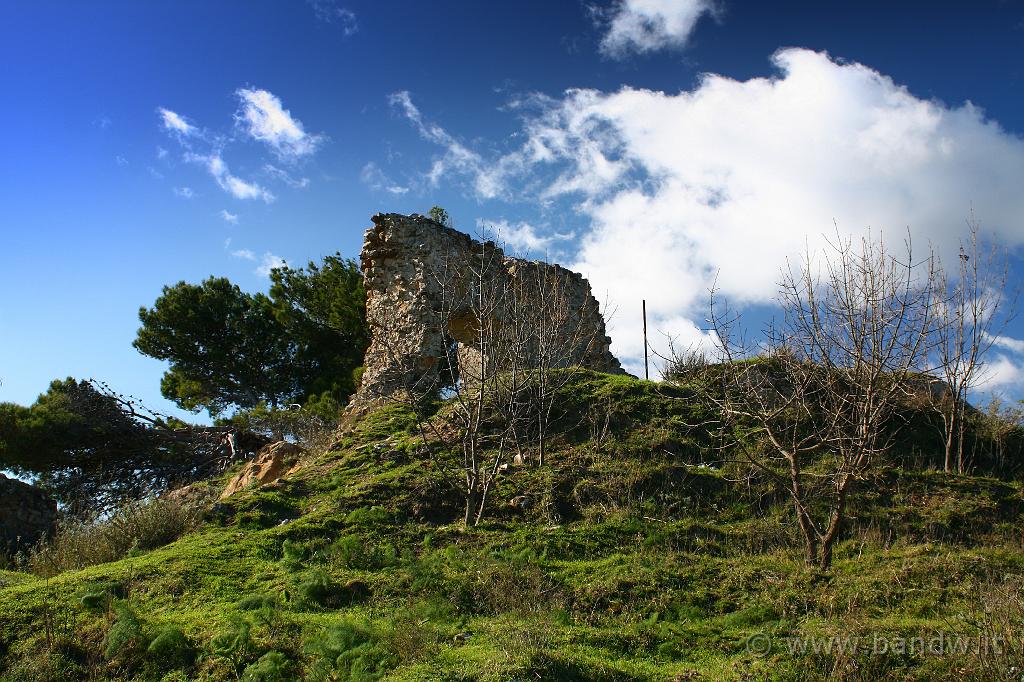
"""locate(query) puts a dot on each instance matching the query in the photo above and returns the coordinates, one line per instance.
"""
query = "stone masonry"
(26, 513)
(425, 288)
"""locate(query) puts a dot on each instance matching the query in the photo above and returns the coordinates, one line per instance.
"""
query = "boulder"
(27, 514)
(271, 463)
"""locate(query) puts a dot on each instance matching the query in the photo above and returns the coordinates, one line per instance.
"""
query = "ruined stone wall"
(426, 286)
(26, 513)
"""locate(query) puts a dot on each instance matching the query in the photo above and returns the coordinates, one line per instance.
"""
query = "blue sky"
(648, 143)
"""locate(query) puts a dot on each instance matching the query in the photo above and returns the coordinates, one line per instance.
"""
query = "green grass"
(635, 563)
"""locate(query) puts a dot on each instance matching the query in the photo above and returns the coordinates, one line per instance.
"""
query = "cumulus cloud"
(374, 178)
(176, 123)
(1003, 368)
(262, 116)
(522, 237)
(1008, 343)
(648, 25)
(726, 181)
(1002, 373)
(269, 262)
(228, 217)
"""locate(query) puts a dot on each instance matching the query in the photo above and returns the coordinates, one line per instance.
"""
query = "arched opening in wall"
(473, 342)
(451, 381)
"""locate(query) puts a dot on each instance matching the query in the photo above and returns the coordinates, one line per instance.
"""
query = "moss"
(641, 555)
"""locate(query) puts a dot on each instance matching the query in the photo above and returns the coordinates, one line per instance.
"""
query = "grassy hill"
(640, 552)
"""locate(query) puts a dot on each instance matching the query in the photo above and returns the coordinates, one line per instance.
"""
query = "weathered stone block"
(26, 513)
(426, 285)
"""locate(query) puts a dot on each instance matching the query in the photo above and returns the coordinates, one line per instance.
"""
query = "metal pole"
(647, 372)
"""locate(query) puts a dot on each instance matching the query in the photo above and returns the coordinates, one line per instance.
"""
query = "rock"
(192, 494)
(405, 259)
(27, 514)
(271, 463)
(520, 502)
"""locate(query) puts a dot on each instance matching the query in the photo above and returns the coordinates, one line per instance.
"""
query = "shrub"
(350, 551)
(368, 516)
(272, 667)
(171, 648)
(125, 635)
(233, 644)
(292, 555)
(319, 589)
(349, 651)
(97, 598)
(134, 526)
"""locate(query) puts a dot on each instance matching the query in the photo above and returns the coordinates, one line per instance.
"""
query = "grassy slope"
(633, 561)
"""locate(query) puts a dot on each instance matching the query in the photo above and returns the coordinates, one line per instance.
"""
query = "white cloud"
(285, 177)
(229, 217)
(175, 122)
(457, 157)
(269, 262)
(374, 178)
(649, 25)
(232, 184)
(1006, 369)
(331, 12)
(1010, 344)
(1000, 374)
(733, 176)
(120, 160)
(522, 237)
(161, 153)
(184, 192)
(264, 118)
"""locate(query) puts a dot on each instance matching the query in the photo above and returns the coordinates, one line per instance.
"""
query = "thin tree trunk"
(950, 429)
(832, 533)
(806, 528)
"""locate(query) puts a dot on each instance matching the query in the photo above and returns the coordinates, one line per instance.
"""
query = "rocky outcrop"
(272, 462)
(423, 288)
(27, 514)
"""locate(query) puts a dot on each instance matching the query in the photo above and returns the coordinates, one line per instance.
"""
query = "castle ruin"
(436, 298)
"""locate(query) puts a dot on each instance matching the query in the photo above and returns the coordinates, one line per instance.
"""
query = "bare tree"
(821, 404)
(519, 338)
(556, 332)
(970, 316)
(508, 324)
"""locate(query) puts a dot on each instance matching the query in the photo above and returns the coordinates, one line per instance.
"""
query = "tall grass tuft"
(135, 526)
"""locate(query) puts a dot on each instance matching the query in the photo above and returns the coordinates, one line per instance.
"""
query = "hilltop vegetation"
(640, 552)
(823, 504)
